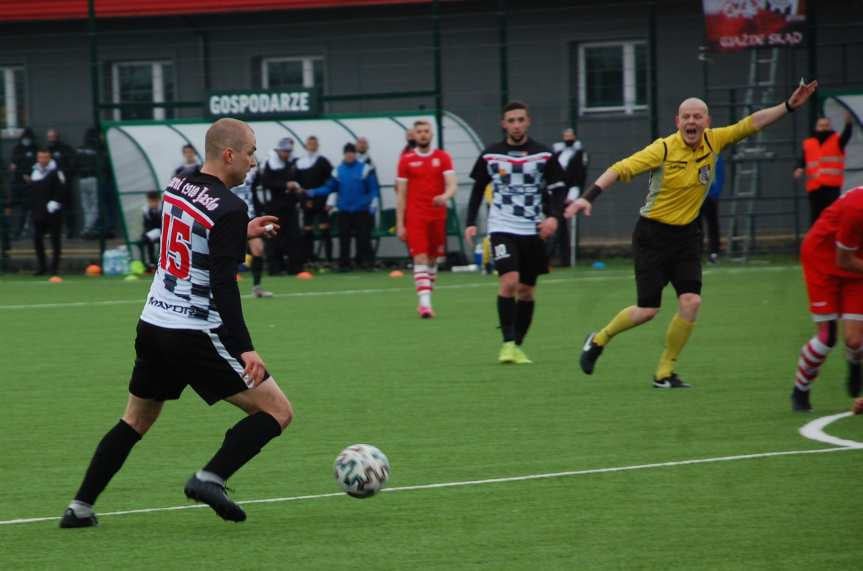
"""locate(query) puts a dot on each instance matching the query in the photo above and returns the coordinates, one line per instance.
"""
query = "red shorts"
(426, 237)
(830, 296)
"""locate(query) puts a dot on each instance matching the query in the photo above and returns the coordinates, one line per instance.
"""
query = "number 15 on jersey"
(176, 255)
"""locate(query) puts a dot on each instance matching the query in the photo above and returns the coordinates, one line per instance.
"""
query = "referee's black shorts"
(167, 360)
(664, 253)
(518, 253)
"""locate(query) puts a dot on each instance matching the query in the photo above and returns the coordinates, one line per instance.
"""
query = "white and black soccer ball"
(361, 470)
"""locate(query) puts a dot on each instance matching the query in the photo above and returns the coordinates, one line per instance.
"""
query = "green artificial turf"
(359, 366)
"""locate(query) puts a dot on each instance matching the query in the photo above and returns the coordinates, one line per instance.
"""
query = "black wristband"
(788, 107)
(592, 193)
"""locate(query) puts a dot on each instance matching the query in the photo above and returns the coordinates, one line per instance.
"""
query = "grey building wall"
(390, 48)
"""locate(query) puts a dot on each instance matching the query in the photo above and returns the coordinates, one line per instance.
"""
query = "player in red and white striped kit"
(425, 184)
(832, 258)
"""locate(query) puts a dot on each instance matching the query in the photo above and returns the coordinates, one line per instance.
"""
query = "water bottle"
(115, 262)
(477, 255)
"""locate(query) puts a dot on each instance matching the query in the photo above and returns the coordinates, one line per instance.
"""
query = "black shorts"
(166, 360)
(516, 253)
(665, 253)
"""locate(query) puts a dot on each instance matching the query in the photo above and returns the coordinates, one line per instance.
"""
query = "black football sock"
(242, 443)
(523, 317)
(257, 269)
(506, 316)
(110, 454)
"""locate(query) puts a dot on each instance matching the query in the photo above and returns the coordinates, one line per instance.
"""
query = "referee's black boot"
(589, 354)
(70, 520)
(672, 382)
(215, 496)
(800, 401)
(855, 379)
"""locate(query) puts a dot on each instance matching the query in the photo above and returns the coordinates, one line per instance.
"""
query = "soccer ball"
(361, 470)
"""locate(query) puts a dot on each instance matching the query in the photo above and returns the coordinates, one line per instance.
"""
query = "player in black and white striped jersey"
(192, 330)
(246, 191)
(525, 210)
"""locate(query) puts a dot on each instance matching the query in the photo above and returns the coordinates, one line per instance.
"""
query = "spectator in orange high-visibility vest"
(823, 164)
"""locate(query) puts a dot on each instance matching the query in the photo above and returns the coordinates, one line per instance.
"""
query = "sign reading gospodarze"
(294, 103)
(741, 24)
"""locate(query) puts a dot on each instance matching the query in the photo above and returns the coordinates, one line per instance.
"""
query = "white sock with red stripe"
(423, 283)
(433, 275)
(812, 356)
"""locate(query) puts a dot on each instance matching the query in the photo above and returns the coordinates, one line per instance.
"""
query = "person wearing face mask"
(667, 240)
(23, 159)
(823, 164)
(573, 159)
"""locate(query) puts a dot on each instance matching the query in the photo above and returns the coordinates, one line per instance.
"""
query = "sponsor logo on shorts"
(819, 303)
(500, 252)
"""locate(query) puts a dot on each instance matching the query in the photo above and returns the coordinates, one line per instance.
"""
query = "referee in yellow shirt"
(667, 239)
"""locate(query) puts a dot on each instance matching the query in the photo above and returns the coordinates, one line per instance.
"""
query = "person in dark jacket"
(356, 185)
(191, 164)
(20, 165)
(64, 155)
(280, 198)
(573, 159)
(87, 162)
(710, 210)
(313, 170)
(47, 197)
(151, 227)
(61, 153)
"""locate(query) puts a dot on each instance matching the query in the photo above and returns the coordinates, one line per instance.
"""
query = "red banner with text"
(18, 10)
(742, 24)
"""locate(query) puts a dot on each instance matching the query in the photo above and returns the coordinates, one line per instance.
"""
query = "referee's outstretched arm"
(650, 154)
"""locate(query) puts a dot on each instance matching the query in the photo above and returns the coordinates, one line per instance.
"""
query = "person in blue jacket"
(710, 210)
(355, 184)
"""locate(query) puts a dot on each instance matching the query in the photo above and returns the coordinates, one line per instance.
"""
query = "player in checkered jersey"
(525, 210)
(192, 331)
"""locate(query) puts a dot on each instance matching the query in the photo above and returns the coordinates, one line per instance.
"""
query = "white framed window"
(302, 72)
(13, 100)
(142, 82)
(612, 76)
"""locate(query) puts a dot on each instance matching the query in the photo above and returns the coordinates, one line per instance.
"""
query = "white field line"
(464, 483)
(489, 283)
(815, 431)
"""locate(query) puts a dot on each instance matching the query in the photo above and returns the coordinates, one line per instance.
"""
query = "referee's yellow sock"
(675, 339)
(619, 324)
